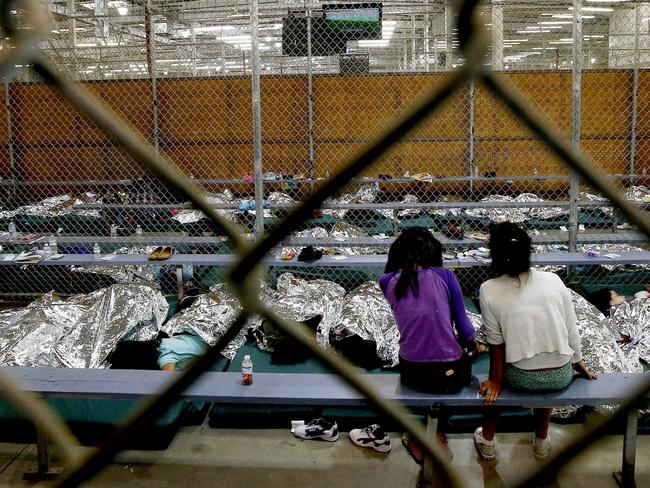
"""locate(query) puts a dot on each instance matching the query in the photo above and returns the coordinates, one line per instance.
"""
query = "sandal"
(155, 254)
(165, 253)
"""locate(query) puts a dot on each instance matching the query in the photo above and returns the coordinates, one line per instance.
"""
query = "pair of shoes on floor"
(372, 436)
(161, 253)
(485, 448)
(416, 450)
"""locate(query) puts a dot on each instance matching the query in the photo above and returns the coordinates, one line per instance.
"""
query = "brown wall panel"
(276, 158)
(130, 100)
(451, 120)
(4, 133)
(353, 107)
(611, 155)
(240, 110)
(286, 100)
(5, 165)
(194, 110)
(549, 92)
(41, 115)
(447, 158)
(516, 158)
(63, 163)
(606, 104)
(203, 161)
(642, 162)
(643, 106)
(331, 157)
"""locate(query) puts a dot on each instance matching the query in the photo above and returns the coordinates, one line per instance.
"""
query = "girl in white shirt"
(532, 332)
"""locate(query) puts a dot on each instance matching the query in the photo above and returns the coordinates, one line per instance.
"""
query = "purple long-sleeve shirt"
(426, 321)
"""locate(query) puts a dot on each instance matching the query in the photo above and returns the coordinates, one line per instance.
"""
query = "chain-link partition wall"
(264, 104)
(184, 74)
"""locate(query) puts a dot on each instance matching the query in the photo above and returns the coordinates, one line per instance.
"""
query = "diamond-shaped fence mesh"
(183, 76)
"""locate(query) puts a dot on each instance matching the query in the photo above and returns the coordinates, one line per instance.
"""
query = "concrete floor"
(204, 457)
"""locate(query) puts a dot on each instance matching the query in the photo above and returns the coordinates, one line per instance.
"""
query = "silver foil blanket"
(367, 193)
(82, 330)
(224, 198)
(367, 314)
(598, 340)
(126, 274)
(342, 232)
(300, 300)
(209, 317)
(615, 249)
(477, 322)
(516, 214)
(632, 320)
(120, 312)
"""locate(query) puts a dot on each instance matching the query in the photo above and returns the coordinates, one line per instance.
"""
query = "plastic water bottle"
(113, 230)
(96, 249)
(247, 371)
(138, 230)
(46, 250)
(12, 228)
(53, 245)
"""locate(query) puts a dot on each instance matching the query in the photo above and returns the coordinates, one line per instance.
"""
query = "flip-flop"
(155, 254)
(165, 253)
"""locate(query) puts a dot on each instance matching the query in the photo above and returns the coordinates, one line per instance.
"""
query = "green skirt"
(539, 380)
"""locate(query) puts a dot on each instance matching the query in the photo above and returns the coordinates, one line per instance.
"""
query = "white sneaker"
(318, 429)
(484, 447)
(372, 436)
(541, 447)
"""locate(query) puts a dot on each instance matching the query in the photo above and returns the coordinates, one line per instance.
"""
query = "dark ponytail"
(414, 247)
(510, 248)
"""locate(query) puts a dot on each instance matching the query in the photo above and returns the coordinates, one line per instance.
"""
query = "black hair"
(601, 299)
(510, 248)
(412, 248)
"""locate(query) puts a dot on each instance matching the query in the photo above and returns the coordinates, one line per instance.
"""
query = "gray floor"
(204, 457)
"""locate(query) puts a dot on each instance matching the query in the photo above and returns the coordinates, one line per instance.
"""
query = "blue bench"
(321, 390)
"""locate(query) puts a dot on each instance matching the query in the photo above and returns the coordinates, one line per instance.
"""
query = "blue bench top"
(371, 260)
(304, 389)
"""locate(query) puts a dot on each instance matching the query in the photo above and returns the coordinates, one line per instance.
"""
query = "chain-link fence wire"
(159, 74)
(418, 159)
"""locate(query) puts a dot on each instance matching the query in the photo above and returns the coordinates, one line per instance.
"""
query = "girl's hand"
(584, 371)
(490, 390)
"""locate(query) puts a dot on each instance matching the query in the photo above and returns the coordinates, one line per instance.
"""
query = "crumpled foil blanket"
(222, 198)
(366, 313)
(632, 319)
(209, 317)
(298, 299)
(81, 331)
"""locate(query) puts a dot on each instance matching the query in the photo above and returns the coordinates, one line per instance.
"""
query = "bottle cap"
(247, 357)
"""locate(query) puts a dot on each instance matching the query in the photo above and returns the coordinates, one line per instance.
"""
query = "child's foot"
(541, 447)
(413, 448)
(484, 447)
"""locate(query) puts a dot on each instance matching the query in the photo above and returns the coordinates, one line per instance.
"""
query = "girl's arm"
(491, 388)
(464, 327)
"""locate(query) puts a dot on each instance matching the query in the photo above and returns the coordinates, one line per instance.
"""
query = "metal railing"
(245, 274)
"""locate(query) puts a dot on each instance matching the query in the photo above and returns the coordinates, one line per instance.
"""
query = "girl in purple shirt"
(430, 314)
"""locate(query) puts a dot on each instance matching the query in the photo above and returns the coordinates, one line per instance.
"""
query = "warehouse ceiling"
(110, 39)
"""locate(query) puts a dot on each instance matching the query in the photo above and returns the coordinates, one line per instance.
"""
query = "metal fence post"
(449, 25)
(10, 140)
(257, 121)
(470, 144)
(635, 93)
(151, 56)
(310, 102)
(575, 133)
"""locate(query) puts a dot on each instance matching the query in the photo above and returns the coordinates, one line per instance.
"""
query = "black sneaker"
(318, 429)
(372, 436)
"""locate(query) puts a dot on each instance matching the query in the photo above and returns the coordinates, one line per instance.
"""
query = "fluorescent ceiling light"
(570, 16)
(538, 31)
(595, 9)
(515, 40)
(215, 28)
(607, 1)
(376, 43)
(555, 22)
(123, 10)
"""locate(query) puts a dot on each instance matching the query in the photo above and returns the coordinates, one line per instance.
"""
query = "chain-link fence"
(262, 105)
(330, 76)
